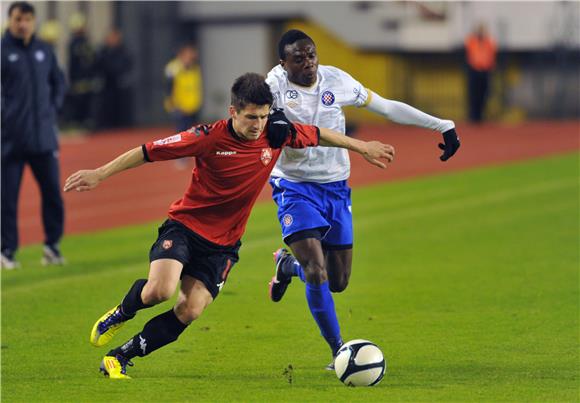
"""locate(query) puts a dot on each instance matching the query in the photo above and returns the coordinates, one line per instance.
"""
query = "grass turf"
(468, 282)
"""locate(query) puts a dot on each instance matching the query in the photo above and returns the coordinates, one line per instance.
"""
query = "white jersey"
(319, 105)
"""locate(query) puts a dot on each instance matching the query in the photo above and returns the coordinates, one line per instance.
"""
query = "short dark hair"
(289, 38)
(24, 6)
(251, 88)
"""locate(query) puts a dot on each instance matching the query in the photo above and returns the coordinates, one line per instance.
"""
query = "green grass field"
(468, 282)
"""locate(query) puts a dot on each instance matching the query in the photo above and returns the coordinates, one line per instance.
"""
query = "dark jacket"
(33, 88)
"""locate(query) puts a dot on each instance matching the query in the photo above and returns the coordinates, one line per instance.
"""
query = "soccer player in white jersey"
(310, 185)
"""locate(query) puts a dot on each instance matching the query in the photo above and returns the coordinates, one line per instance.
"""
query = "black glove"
(279, 128)
(451, 144)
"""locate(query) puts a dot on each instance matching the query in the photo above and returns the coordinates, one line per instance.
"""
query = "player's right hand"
(377, 151)
(81, 181)
(279, 128)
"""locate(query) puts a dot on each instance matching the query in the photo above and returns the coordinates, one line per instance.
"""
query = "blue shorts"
(309, 205)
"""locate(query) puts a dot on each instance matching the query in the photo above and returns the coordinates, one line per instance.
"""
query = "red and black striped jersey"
(230, 172)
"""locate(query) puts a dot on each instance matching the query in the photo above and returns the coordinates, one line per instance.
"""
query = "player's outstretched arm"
(404, 114)
(88, 179)
(372, 151)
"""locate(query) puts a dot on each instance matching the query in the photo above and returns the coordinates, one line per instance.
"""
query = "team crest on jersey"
(287, 220)
(266, 156)
(168, 243)
(327, 98)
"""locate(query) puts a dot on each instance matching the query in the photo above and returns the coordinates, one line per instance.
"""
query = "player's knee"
(338, 285)
(187, 313)
(156, 293)
(315, 273)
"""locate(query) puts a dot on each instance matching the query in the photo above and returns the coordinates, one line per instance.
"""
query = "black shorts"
(204, 260)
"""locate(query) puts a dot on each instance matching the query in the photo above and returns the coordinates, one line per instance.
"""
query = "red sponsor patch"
(168, 243)
(266, 156)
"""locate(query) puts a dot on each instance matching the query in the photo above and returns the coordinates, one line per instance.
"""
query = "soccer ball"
(360, 363)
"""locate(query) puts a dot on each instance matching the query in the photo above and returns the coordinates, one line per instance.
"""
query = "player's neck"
(307, 87)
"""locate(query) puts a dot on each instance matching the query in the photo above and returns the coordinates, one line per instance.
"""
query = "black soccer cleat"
(280, 281)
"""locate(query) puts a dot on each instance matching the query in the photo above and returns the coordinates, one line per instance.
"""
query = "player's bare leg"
(162, 281)
(338, 266)
(192, 300)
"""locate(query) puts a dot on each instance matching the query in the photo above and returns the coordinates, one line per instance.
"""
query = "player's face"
(250, 122)
(21, 25)
(301, 62)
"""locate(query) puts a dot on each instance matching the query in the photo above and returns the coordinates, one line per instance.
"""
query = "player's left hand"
(451, 145)
(279, 128)
(377, 151)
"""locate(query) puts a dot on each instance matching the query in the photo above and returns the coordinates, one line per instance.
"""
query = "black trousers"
(45, 168)
(478, 90)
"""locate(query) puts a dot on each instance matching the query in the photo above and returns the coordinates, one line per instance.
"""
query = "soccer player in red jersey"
(199, 242)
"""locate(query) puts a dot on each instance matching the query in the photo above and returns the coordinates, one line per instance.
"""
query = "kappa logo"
(226, 153)
(266, 156)
(287, 220)
(327, 98)
(142, 344)
(167, 244)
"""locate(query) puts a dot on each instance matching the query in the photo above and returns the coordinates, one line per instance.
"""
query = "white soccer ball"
(360, 363)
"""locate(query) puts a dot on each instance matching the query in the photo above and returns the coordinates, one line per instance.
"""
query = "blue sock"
(298, 272)
(291, 267)
(321, 306)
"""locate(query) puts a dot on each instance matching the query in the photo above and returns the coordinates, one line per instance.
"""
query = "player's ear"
(232, 111)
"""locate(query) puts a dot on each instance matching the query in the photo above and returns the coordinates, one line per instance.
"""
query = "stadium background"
(408, 51)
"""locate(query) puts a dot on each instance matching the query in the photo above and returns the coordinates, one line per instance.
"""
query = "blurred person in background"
(310, 185)
(184, 91)
(81, 71)
(33, 89)
(184, 88)
(113, 67)
(49, 32)
(480, 53)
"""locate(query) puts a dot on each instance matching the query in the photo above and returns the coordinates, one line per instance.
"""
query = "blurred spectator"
(49, 32)
(81, 70)
(184, 88)
(480, 51)
(32, 89)
(113, 66)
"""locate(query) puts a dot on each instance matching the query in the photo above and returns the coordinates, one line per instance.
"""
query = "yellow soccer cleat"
(105, 328)
(115, 367)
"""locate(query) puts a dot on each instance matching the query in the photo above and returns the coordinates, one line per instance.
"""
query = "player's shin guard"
(159, 331)
(132, 301)
(321, 306)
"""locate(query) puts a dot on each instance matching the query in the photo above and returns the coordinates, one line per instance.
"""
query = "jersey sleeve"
(306, 136)
(190, 143)
(272, 82)
(356, 94)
